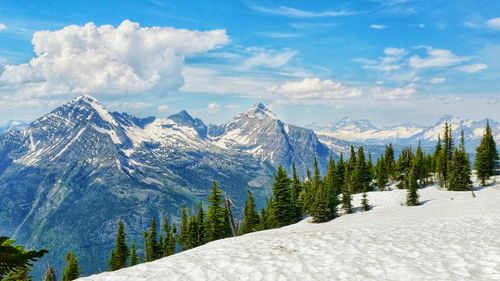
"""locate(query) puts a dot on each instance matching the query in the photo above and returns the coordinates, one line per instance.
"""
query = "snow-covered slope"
(13, 125)
(364, 132)
(451, 236)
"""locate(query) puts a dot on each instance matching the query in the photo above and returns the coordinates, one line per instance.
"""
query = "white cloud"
(314, 88)
(108, 60)
(3, 27)
(213, 107)
(394, 93)
(163, 108)
(394, 51)
(269, 59)
(436, 58)
(472, 68)
(493, 23)
(437, 80)
(378, 26)
(296, 13)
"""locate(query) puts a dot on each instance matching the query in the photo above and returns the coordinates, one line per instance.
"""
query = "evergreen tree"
(486, 154)
(18, 274)
(184, 230)
(250, 216)
(404, 164)
(50, 274)
(361, 177)
(71, 271)
(382, 173)
(320, 211)
(13, 257)
(296, 191)
(169, 245)
(152, 249)
(306, 195)
(347, 198)
(200, 222)
(412, 192)
(445, 156)
(119, 255)
(364, 202)
(437, 157)
(331, 192)
(419, 162)
(282, 208)
(459, 169)
(390, 160)
(339, 175)
(217, 222)
(193, 232)
(134, 259)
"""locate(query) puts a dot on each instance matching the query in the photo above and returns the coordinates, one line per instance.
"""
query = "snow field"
(451, 236)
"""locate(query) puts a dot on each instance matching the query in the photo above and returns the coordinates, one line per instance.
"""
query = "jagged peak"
(259, 110)
(87, 101)
(181, 115)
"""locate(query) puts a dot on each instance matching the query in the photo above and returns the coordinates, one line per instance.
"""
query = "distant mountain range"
(364, 132)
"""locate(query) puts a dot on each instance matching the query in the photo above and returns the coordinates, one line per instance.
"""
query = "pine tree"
(382, 173)
(282, 208)
(306, 195)
(200, 222)
(184, 230)
(71, 271)
(50, 274)
(217, 222)
(250, 216)
(437, 157)
(330, 190)
(390, 160)
(193, 232)
(445, 156)
(152, 249)
(320, 210)
(296, 191)
(134, 259)
(361, 177)
(347, 198)
(170, 241)
(18, 274)
(412, 191)
(404, 164)
(364, 202)
(15, 256)
(119, 255)
(486, 154)
(339, 175)
(459, 172)
(419, 163)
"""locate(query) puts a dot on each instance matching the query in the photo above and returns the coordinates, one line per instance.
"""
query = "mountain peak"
(86, 103)
(260, 111)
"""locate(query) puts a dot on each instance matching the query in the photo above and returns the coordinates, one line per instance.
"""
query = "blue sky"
(389, 61)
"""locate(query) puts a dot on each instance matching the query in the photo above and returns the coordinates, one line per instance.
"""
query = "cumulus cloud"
(108, 60)
(394, 93)
(436, 58)
(472, 68)
(378, 26)
(493, 23)
(314, 88)
(3, 27)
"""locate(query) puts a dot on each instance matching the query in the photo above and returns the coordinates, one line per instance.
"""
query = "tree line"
(322, 197)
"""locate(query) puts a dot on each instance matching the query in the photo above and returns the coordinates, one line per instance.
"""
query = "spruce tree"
(419, 162)
(331, 192)
(459, 172)
(170, 241)
(339, 175)
(15, 256)
(390, 160)
(347, 198)
(250, 216)
(193, 232)
(71, 271)
(18, 274)
(404, 167)
(119, 255)
(320, 210)
(134, 259)
(283, 213)
(200, 222)
(217, 222)
(361, 176)
(296, 191)
(152, 250)
(50, 274)
(184, 230)
(364, 202)
(412, 191)
(382, 173)
(486, 155)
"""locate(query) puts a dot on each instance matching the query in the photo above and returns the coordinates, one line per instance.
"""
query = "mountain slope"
(79, 158)
(452, 236)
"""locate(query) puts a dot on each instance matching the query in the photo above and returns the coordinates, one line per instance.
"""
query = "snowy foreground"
(452, 236)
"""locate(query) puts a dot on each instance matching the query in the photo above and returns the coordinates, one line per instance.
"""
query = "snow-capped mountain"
(13, 125)
(408, 134)
(71, 174)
